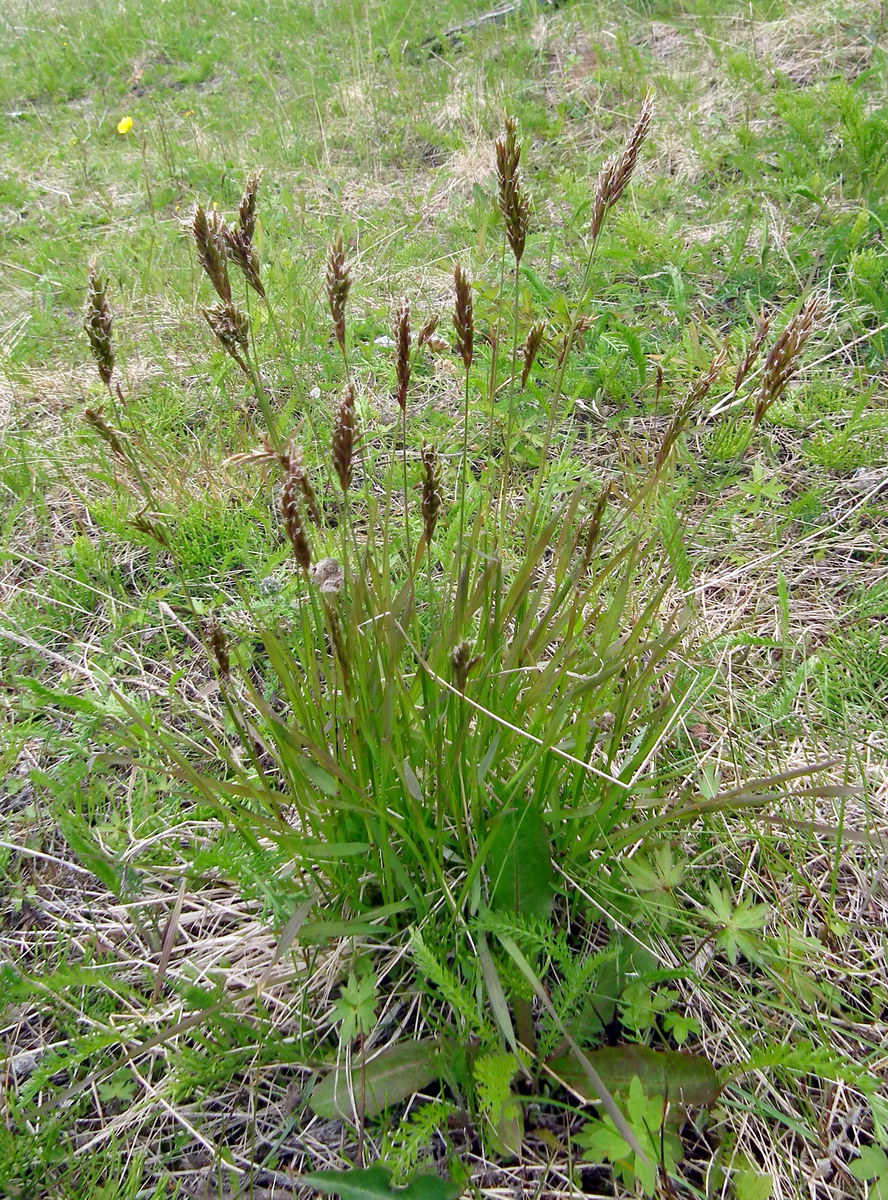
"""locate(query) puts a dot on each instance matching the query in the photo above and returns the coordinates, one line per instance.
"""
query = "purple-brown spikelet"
(463, 320)
(296, 468)
(696, 395)
(247, 212)
(339, 283)
(613, 179)
(106, 432)
(244, 255)
(427, 331)
(462, 662)
(582, 327)
(98, 323)
(431, 491)
(293, 523)
(209, 238)
(530, 349)
(764, 325)
(218, 646)
(344, 438)
(512, 200)
(403, 339)
(231, 327)
(782, 361)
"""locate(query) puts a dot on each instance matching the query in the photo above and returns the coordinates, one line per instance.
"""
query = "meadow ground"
(173, 977)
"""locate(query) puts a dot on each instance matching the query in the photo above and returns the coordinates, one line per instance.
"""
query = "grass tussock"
(474, 803)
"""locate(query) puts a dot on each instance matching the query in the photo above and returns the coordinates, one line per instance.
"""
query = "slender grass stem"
(555, 401)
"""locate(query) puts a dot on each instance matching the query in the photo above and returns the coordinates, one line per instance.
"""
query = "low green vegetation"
(443, 651)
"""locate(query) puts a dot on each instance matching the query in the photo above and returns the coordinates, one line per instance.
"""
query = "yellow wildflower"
(125, 125)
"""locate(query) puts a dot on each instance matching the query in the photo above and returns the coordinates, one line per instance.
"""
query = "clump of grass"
(439, 740)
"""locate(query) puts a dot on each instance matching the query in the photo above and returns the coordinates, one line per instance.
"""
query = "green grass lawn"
(553, 777)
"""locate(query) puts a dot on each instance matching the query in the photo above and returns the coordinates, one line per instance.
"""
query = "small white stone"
(314, 394)
(384, 340)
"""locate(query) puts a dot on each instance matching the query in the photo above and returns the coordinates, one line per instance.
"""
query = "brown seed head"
(403, 339)
(426, 332)
(344, 438)
(339, 283)
(463, 321)
(531, 347)
(582, 327)
(764, 325)
(97, 322)
(106, 432)
(218, 646)
(247, 211)
(431, 491)
(696, 395)
(613, 179)
(512, 200)
(296, 468)
(243, 254)
(293, 524)
(782, 361)
(209, 238)
(231, 327)
(462, 662)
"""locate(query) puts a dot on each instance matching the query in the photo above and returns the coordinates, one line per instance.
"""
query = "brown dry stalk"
(431, 490)
(231, 327)
(339, 283)
(764, 325)
(296, 468)
(426, 332)
(94, 417)
(531, 348)
(463, 321)
(613, 179)
(218, 646)
(209, 238)
(782, 361)
(512, 200)
(98, 322)
(293, 523)
(344, 438)
(403, 339)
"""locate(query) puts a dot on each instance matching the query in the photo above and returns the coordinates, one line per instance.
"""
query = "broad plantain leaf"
(683, 1079)
(373, 1184)
(390, 1077)
(519, 865)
